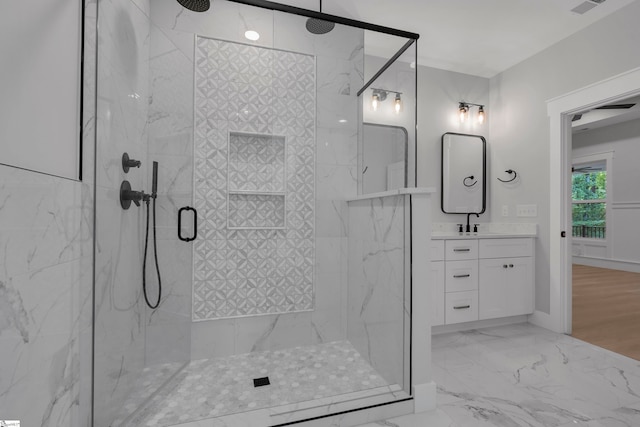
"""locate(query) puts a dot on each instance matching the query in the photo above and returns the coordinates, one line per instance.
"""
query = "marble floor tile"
(522, 375)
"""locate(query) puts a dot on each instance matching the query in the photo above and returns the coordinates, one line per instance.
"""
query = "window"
(589, 197)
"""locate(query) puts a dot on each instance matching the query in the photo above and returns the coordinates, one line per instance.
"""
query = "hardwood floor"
(606, 309)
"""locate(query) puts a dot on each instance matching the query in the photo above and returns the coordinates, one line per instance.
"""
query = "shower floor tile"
(215, 387)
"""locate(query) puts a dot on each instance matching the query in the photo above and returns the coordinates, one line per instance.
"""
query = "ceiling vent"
(586, 6)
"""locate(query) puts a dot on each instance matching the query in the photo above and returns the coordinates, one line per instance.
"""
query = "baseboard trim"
(544, 320)
(457, 327)
(611, 264)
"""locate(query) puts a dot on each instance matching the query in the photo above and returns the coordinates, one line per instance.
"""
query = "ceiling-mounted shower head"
(319, 26)
(195, 5)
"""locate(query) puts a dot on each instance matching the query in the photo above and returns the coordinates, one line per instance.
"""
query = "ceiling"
(478, 37)
(598, 117)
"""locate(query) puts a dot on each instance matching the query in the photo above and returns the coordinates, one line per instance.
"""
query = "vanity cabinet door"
(506, 287)
(437, 293)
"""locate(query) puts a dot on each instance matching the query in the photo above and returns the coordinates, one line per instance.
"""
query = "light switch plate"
(505, 210)
(527, 210)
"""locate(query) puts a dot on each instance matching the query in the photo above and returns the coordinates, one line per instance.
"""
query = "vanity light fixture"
(397, 103)
(464, 107)
(252, 35)
(380, 95)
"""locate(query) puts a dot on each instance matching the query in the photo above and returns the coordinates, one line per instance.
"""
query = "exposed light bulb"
(397, 104)
(375, 101)
(481, 115)
(252, 35)
(463, 113)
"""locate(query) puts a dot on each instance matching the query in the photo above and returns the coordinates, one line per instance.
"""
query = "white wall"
(520, 126)
(439, 93)
(624, 141)
(39, 83)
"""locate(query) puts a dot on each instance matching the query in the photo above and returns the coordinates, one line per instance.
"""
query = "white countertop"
(397, 192)
(480, 235)
(492, 230)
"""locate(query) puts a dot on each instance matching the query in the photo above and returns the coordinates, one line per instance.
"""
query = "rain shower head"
(195, 5)
(319, 26)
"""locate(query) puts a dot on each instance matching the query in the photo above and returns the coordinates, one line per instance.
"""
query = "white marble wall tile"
(273, 332)
(213, 338)
(335, 182)
(43, 314)
(376, 301)
(225, 20)
(337, 146)
(40, 218)
(122, 126)
(335, 107)
(338, 76)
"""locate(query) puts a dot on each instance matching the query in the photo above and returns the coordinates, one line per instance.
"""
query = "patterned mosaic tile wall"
(242, 90)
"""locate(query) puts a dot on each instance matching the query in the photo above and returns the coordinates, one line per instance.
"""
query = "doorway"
(561, 112)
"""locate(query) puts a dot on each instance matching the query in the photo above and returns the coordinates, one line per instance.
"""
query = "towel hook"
(510, 172)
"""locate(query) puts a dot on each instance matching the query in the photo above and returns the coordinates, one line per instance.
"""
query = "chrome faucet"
(468, 228)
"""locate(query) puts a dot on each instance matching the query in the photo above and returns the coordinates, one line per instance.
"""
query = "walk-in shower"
(290, 296)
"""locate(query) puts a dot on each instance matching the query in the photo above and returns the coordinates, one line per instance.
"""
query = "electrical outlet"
(527, 210)
(505, 210)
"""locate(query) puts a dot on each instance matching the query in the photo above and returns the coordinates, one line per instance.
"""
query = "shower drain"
(259, 382)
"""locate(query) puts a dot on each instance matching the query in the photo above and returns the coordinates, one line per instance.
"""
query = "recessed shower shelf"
(256, 179)
(250, 210)
(263, 193)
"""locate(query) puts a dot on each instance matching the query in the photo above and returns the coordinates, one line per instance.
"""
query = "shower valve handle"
(128, 163)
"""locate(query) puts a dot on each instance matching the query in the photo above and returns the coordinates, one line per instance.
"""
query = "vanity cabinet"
(477, 279)
(506, 277)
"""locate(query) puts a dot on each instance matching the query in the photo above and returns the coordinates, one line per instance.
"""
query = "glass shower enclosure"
(268, 305)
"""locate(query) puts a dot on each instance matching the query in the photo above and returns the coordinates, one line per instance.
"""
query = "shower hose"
(155, 252)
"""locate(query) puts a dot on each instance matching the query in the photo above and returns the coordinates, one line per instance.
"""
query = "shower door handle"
(195, 224)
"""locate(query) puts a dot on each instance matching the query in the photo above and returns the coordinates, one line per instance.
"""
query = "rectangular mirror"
(463, 183)
(384, 158)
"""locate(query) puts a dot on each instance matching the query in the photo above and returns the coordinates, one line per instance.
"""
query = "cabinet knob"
(510, 265)
(505, 266)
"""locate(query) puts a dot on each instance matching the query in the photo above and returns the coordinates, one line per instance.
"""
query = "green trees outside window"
(589, 194)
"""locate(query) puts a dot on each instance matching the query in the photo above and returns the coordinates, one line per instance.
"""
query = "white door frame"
(560, 110)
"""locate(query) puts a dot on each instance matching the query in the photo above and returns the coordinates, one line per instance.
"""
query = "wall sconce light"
(463, 108)
(380, 95)
(397, 103)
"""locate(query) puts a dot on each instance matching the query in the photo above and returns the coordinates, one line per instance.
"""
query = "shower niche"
(256, 180)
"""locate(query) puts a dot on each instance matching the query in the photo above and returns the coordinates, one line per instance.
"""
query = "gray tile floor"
(522, 375)
(211, 388)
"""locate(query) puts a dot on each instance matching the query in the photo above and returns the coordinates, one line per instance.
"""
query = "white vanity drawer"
(502, 248)
(437, 250)
(461, 249)
(461, 307)
(461, 275)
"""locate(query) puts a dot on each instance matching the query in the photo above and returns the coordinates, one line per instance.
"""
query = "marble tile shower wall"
(245, 271)
(121, 121)
(41, 298)
(378, 304)
(339, 74)
(46, 253)
(168, 331)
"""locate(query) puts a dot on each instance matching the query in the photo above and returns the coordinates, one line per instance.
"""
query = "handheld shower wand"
(153, 196)
(154, 184)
